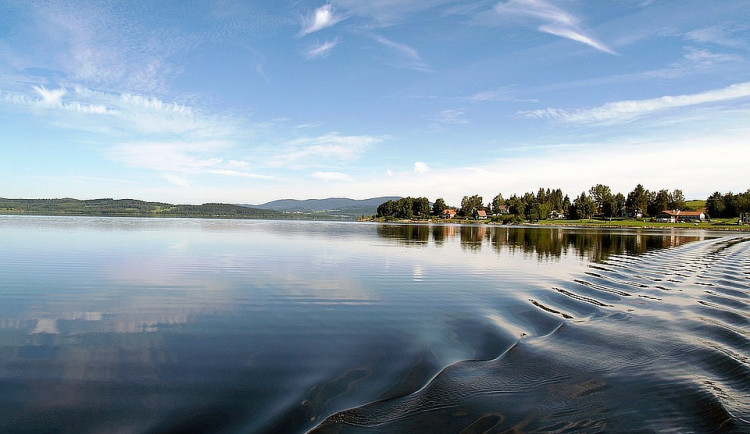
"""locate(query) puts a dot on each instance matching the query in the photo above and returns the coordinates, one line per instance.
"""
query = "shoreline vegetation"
(133, 208)
(108, 207)
(714, 225)
(599, 207)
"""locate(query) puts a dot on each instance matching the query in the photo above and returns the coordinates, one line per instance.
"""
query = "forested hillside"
(130, 208)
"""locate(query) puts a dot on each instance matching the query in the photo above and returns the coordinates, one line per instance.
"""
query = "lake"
(172, 325)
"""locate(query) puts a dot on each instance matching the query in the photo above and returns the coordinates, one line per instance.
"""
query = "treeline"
(130, 208)
(598, 201)
(405, 208)
(728, 204)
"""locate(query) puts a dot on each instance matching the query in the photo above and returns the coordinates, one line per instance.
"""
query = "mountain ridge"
(342, 204)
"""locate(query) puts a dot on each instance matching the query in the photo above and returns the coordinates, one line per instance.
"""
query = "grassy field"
(715, 224)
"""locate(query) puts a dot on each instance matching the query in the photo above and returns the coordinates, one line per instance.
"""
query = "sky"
(251, 101)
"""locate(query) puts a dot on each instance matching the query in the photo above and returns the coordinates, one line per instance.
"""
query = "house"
(556, 215)
(676, 216)
(448, 213)
(480, 214)
(634, 213)
(503, 209)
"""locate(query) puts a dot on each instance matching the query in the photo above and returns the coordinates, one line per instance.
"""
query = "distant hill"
(332, 207)
(131, 208)
(312, 209)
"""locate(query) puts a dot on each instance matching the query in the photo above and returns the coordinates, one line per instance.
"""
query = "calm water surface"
(149, 326)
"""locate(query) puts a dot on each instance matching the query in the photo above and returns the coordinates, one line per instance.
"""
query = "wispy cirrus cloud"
(318, 50)
(332, 177)
(421, 167)
(101, 45)
(703, 58)
(450, 117)
(321, 18)
(409, 57)
(331, 146)
(383, 13)
(720, 35)
(624, 111)
(83, 109)
(554, 20)
(502, 94)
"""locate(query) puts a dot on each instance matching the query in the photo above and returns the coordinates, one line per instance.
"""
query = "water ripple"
(634, 331)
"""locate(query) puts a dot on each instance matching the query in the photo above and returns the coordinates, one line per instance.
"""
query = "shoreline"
(585, 225)
(462, 222)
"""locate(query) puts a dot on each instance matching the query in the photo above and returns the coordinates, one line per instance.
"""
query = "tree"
(497, 202)
(584, 206)
(405, 208)
(742, 202)
(676, 200)
(637, 199)
(421, 207)
(439, 206)
(469, 205)
(541, 196)
(600, 194)
(517, 207)
(387, 209)
(659, 202)
(566, 205)
(556, 201)
(715, 205)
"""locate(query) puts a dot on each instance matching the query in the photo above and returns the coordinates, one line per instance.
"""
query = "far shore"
(603, 224)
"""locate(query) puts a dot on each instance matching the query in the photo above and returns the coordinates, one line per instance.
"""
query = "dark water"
(146, 326)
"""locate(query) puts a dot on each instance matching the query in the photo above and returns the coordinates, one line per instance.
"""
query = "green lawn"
(722, 224)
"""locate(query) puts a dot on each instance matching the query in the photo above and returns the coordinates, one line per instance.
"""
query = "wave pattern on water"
(654, 342)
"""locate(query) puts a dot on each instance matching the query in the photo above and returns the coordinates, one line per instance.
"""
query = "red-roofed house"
(480, 214)
(448, 213)
(676, 215)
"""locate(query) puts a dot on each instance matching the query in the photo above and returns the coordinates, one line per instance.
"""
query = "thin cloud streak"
(555, 21)
(321, 50)
(411, 57)
(624, 111)
(312, 150)
(332, 177)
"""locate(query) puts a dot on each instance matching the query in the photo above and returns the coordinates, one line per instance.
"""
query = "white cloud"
(127, 114)
(619, 165)
(575, 35)
(410, 57)
(555, 21)
(308, 125)
(502, 94)
(384, 13)
(451, 117)
(320, 19)
(237, 173)
(100, 45)
(167, 156)
(177, 180)
(331, 146)
(420, 167)
(720, 36)
(707, 58)
(623, 111)
(332, 177)
(321, 50)
(50, 97)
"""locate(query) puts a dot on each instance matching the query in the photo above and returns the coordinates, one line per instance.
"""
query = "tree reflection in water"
(547, 243)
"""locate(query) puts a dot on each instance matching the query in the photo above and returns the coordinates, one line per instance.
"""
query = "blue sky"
(251, 101)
